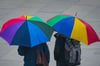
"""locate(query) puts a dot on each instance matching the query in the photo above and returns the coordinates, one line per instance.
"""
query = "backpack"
(72, 52)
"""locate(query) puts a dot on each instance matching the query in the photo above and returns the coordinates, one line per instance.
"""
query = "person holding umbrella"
(67, 52)
(32, 57)
(77, 30)
(28, 32)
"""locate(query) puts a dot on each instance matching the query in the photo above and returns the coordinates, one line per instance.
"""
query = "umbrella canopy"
(73, 27)
(26, 31)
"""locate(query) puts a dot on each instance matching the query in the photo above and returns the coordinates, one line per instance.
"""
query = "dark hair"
(56, 35)
(60, 35)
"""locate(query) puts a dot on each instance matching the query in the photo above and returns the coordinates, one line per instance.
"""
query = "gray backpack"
(72, 52)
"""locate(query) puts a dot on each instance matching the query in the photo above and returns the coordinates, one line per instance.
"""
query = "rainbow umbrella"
(73, 27)
(27, 31)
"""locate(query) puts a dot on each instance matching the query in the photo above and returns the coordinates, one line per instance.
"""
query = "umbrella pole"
(26, 18)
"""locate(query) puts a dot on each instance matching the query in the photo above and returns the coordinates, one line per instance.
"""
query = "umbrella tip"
(76, 14)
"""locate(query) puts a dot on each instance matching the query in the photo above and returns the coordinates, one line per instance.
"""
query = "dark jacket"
(30, 54)
(59, 48)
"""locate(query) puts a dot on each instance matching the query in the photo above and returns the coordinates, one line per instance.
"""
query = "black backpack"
(72, 52)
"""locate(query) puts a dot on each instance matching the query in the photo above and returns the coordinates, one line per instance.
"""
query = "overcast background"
(45, 9)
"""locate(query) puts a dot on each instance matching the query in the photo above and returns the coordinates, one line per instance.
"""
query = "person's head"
(56, 35)
(60, 35)
(75, 40)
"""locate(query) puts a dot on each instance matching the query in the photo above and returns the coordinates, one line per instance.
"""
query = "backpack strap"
(69, 43)
(75, 43)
